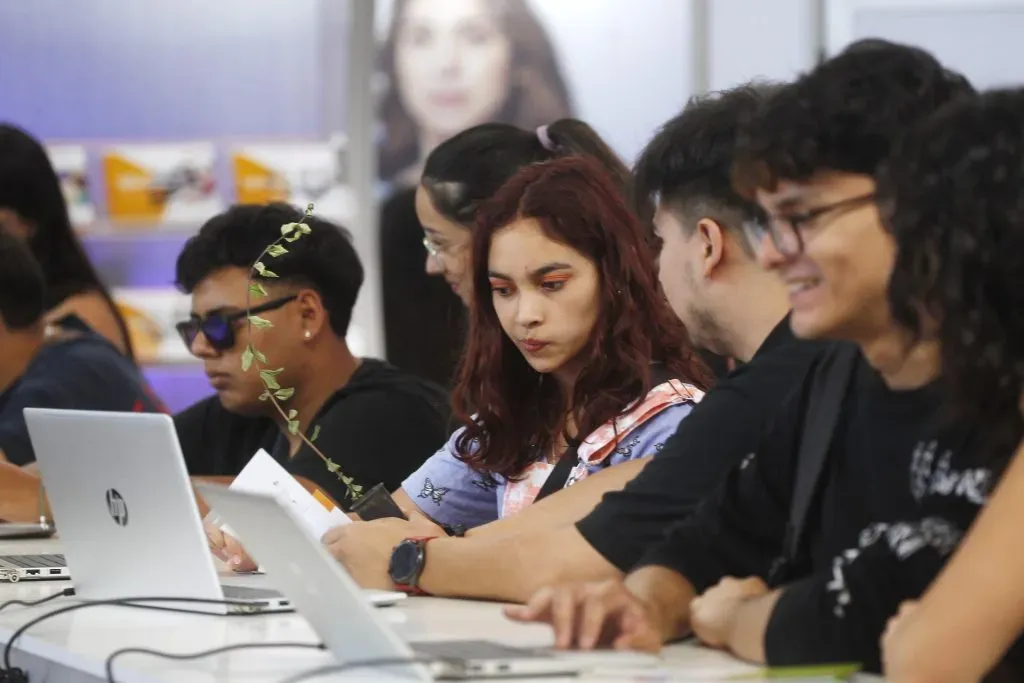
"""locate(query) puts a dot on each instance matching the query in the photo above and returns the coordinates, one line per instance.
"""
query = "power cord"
(67, 592)
(182, 657)
(10, 674)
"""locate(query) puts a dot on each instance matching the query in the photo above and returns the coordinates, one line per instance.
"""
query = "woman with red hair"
(574, 362)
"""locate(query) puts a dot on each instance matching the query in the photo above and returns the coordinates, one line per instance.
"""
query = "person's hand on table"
(364, 548)
(713, 613)
(227, 549)
(592, 615)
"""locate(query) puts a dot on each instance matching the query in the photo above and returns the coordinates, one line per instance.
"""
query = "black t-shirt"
(901, 485)
(77, 370)
(724, 427)
(378, 428)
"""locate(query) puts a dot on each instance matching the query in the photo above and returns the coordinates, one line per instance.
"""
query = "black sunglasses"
(219, 328)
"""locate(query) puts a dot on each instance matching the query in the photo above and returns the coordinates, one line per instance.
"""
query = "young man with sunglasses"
(744, 573)
(67, 365)
(376, 423)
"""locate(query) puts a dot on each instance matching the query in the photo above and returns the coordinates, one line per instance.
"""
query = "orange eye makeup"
(556, 278)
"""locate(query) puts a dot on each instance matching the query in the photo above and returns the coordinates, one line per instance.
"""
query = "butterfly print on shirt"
(626, 449)
(431, 492)
(486, 484)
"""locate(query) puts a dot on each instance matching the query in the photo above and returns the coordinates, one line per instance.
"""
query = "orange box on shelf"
(161, 183)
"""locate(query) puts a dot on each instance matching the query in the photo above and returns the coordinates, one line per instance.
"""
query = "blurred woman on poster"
(453, 64)
(448, 65)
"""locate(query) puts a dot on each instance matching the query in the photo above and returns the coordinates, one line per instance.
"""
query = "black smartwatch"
(406, 566)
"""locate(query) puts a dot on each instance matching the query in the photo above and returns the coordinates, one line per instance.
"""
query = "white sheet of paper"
(263, 474)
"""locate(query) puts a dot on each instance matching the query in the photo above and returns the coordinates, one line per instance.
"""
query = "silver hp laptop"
(128, 520)
(325, 594)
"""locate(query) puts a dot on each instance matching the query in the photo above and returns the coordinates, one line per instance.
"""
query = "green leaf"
(292, 414)
(309, 209)
(262, 270)
(293, 426)
(259, 355)
(284, 394)
(289, 228)
(256, 289)
(356, 488)
(247, 358)
(293, 237)
(269, 381)
(332, 466)
(273, 373)
(276, 250)
(265, 396)
(305, 229)
(316, 433)
(259, 322)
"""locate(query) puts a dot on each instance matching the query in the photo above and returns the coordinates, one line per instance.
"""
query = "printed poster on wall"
(161, 183)
(296, 173)
(70, 162)
(447, 66)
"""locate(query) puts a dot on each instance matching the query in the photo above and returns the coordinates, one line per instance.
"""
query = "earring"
(308, 334)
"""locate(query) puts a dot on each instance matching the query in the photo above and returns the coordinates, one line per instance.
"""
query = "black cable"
(181, 657)
(360, 664)
(67, 592)
(9, 673)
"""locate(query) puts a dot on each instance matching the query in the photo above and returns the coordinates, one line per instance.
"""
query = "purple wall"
(125, 69)
(131, 70)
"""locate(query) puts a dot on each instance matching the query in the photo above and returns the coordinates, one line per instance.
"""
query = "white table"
(74, 646)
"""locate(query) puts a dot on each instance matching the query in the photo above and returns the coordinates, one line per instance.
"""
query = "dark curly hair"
(511, 412)
(324, 260)
(686, 166)
(844, 115)
(952, 198)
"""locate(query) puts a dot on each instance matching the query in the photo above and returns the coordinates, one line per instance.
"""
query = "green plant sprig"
(253, 358)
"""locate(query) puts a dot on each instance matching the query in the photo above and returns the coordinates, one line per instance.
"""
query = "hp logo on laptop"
(117, 508)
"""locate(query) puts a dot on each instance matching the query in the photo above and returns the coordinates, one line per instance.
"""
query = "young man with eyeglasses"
(743, 573)
(375, 422)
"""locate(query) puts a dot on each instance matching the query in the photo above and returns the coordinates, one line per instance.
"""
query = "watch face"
(405, 562)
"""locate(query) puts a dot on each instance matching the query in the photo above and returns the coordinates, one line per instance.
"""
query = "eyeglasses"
(435, 252)
(787, 231)
(219, 328)
(438, 252)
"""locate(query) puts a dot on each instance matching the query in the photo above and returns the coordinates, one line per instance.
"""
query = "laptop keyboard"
(33, 561)
(244, 593)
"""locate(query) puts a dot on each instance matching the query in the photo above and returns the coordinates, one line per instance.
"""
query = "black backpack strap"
(560, 473)
(828, 389)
